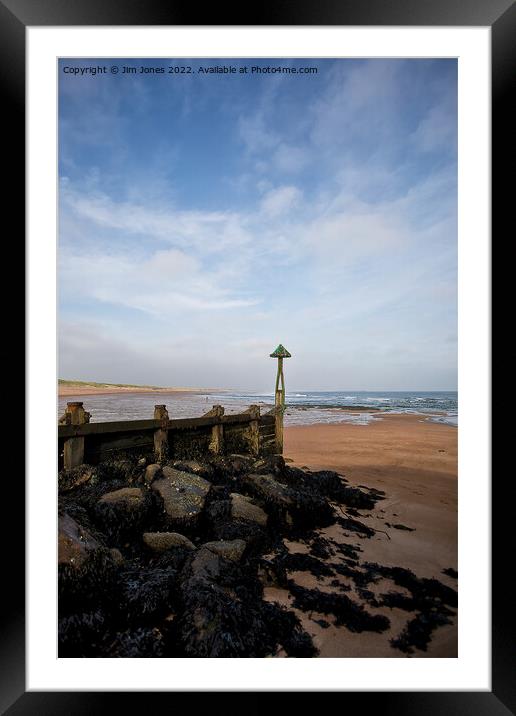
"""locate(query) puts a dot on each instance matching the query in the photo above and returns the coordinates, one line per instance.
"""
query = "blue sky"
(203, 219)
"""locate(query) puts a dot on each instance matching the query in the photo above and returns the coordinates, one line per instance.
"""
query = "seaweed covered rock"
(127, 498)
(86, 568)
(74, 477)
(245, 510)
(76, 544)
(160, 542)
(229, 549)
(287, 505)
(183, 495)
(205, 565)
(331, 485)
(224, 614)
(195, 467)
(121, 512)
(271, 464)
(267, 488)
(225, 523)
(152, 472)
(226, 468)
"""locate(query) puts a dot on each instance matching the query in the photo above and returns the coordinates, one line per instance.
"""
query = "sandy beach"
(414, 461)
(73, 391)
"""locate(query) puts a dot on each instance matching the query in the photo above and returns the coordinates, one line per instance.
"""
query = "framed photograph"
(311, 187)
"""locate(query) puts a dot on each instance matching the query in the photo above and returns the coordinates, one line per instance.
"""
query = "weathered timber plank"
(120, 426)
(235, 419)
(69, 431)
(121, 442)
(269, 436)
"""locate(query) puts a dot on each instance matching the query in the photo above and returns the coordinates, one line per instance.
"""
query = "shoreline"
(78, 391)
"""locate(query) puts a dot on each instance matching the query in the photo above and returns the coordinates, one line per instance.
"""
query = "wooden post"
(279, 403)
(254, 429)
(161, 434)
(279, 396)
(217, 432)
(278, 425)
(73, 453)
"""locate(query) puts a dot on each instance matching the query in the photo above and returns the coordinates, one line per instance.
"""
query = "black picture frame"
(500, 15)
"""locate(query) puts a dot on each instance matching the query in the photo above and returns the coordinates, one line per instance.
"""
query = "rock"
(163, 541)
(76, 476)
(85, 567)
(269, 489)
(244, 509)
(290, 505)
(75, 544)
(205, 565)
(183, 495)
(240, 463)
(272, 464)
(129, 497)
(152, 472)
(232, 465)
(122, 512)
(116, 555)
(195, 467)
(229, 549)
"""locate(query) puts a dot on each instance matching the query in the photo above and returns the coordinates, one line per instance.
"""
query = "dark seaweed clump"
(428, 597)
(352, 525)
(401, 527)
(345, 610)
(450, 572)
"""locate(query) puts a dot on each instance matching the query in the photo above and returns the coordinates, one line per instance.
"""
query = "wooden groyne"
(80, 441)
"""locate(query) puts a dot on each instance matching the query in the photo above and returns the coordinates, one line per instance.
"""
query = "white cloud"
(437, 130)
(280, 200)
(290, 159)
(165, 282)
(255, 133)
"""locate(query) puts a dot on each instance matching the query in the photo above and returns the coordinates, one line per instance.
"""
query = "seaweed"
(418, 631)
(355, 526)
(345, 610)
(450, 572)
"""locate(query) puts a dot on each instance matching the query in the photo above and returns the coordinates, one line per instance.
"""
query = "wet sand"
(414, 462)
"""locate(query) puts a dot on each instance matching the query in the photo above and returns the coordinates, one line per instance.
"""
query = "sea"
(302, 407)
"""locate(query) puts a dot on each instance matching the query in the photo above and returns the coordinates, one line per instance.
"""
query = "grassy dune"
(90, 384)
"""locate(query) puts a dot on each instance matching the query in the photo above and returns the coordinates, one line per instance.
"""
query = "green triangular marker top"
(281, 352)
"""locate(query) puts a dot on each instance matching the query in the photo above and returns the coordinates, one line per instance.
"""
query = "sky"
(205, 218)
